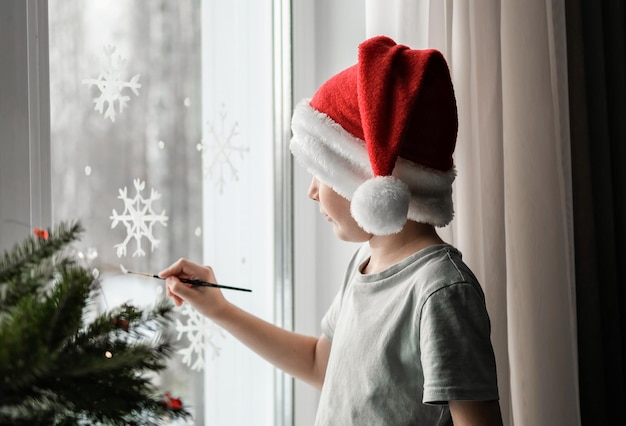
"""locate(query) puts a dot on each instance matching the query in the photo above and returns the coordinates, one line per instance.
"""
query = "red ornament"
(172, 403)
(41, 233)
(121, 323)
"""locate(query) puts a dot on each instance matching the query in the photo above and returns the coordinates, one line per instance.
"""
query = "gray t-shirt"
(405, 341)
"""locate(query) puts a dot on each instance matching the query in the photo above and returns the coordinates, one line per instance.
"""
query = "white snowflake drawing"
(139, 218)
(111, 85)
(200, 332)
(220, 149)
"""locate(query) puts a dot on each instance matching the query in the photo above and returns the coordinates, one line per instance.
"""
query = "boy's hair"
(382, 133)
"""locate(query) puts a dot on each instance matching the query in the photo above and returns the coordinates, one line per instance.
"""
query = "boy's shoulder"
(441, 267)
(440, 260)
(443, 260)
(428, 270)
(425, 271)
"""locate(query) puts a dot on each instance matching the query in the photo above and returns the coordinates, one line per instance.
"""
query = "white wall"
(24, 166)
(326, 36)
(14, 170)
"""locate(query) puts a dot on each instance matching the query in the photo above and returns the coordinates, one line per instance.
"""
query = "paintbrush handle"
(186, 280)
(206, 284)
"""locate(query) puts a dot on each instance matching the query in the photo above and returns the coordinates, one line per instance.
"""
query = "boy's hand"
(207, 300)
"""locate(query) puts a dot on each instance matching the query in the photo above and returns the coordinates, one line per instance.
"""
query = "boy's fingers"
(184, 268)
(179, 289)
(174, 269)
(177, 300)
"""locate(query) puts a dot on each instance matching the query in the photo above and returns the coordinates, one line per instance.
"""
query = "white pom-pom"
(380, 205)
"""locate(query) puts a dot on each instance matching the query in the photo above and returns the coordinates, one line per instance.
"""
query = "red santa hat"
(382, 133)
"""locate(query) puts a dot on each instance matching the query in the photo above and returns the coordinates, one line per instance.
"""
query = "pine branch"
(70, 296)
(24, 267)
(54, 369)
(33, 250)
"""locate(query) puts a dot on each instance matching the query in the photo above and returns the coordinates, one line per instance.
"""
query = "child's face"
(336, 209)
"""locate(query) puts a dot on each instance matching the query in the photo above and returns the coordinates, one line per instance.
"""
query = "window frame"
(28, 165)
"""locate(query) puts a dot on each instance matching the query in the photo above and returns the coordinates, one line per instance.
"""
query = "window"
(168, 136)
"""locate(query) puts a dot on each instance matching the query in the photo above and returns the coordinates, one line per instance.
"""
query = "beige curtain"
(513, 191)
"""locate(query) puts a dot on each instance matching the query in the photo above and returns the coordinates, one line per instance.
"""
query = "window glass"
(162, 145)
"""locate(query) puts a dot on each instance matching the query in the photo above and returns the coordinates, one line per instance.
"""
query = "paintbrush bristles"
(144, 274)
(126, 271)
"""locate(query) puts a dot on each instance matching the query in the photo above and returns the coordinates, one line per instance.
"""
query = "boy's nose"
(314, 189)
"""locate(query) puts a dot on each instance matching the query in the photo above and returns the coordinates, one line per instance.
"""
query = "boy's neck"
(390, 249)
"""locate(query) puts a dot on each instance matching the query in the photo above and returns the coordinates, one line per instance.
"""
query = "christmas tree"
(57, 368)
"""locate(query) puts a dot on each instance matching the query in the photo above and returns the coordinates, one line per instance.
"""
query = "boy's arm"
(304, 357)
(475, 413)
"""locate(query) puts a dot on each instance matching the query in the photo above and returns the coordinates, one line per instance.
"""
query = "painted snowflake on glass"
(112, 86)
(139, 218)
(200, 332)
(220, 151)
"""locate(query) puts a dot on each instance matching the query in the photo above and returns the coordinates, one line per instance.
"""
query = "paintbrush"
(185, 280)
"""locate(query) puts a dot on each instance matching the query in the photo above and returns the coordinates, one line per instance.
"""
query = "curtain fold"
(512, 196)
(542, 340)
(596, 52)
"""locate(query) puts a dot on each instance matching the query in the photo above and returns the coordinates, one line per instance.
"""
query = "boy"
(406, 340)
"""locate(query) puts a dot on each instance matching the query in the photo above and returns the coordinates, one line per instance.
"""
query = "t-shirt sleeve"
(456, 352)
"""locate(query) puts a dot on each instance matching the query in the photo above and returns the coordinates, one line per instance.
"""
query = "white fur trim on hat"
(340, 160)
